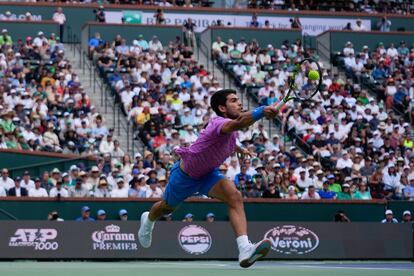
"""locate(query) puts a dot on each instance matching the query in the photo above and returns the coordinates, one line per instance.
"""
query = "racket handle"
(279, 106)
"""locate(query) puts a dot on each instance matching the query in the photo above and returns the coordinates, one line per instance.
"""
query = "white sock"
(242, 241)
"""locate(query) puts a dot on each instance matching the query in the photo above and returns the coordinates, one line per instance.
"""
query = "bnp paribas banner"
(201, 240)
(310, 26)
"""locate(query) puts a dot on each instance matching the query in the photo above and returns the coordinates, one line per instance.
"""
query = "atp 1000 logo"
(39, 239)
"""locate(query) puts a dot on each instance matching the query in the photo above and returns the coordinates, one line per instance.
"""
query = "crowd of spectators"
(363, 6)
(43, 106)
(389, 69)
(358, 147)
(162, 3)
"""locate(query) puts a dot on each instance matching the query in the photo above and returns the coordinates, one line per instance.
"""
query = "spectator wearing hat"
(407, 218)
(58, 191)
(242, 175)
(291, 193)
(391, 178)
(85, 214)
(93, 178)
(210, 217)
(389, 217)
(123, 215)
(37, 190)
(112, 178)
(346, 193)
(334, 187)
(5, 181)
(50, 139)
(188, 218)
(102, 189)
(121, 191)
(73, 174)
(303, 181)
(18, 190)
(78, 190)
(325, 193)
(5, 38)
(155, 190)
(101, 215)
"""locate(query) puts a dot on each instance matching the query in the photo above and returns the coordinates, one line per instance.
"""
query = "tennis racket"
(301, 86)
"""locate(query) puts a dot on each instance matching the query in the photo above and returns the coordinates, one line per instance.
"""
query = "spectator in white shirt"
(233, 168)
(303, 181)
(5, 181)
(120, 191)
(392, 51)
(155, 44)
(58, 191)
(348, 49)
(344, 163)
(60, 18)
(106, 145)
(37, 190)
(155, 191)
(27, 182)
(311, 193)
(359, 26)
(2, 192)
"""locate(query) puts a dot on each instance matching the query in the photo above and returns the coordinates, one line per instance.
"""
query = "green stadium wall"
(131, 32)
(256, 210)
(22, 29)
(334, 41)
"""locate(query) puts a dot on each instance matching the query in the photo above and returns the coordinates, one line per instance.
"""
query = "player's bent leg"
(226, 191)
(148, 221)
(249, 253)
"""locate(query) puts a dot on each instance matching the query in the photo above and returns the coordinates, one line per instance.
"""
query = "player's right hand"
(271, 111)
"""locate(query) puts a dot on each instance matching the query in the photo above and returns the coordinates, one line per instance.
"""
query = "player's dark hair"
(220, 98)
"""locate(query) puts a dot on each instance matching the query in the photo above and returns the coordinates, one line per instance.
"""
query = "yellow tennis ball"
(313, 75)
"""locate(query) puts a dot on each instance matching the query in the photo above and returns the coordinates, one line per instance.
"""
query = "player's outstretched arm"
(247, 119)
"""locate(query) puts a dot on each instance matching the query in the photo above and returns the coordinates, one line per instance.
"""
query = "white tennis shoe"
(145, 231)
(250, 254)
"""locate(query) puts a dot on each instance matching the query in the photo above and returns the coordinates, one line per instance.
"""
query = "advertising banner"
(200, 240)
(310, 26)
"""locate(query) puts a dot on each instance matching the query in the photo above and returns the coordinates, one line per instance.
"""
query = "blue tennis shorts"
(181, 186)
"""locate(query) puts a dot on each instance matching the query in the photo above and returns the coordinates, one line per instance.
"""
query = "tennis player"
(197, 171)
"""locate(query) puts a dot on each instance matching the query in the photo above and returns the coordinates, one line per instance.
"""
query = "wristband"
(258, 113)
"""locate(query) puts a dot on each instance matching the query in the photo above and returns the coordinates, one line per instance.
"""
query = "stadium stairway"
(111, 113)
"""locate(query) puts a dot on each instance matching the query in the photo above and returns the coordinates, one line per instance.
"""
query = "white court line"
(351, 267)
